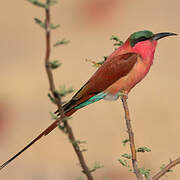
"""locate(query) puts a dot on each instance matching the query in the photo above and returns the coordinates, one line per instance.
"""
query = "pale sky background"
(154, 103)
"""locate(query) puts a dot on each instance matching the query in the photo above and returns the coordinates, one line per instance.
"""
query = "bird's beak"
(162, 35)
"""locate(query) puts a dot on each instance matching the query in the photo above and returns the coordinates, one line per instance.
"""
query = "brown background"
(24, 106)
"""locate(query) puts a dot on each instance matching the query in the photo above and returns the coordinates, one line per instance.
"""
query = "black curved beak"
(162, 35)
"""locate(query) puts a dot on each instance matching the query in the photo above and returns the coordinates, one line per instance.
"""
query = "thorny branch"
(47, 65)
(133, 149)
(58, 99)
(131, 138)
(166, 169)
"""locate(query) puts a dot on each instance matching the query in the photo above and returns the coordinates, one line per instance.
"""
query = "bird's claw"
(122, 94)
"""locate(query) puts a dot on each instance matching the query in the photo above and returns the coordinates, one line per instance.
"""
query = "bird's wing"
(113, 69)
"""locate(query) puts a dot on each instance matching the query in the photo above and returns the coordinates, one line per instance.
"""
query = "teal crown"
(140, 36)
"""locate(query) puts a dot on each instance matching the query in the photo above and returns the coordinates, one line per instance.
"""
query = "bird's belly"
(127, 82)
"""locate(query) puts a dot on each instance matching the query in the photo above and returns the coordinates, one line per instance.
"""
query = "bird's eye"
(135, 41)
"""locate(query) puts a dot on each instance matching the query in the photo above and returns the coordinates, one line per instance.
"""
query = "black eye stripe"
(135, 41)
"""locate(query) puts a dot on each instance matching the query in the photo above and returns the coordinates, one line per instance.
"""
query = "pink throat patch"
(146, 49)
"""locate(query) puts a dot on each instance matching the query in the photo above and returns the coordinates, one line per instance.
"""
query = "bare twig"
(76, 147)
(58, 99)
(131, 138)
(47, 65)
(166, 169)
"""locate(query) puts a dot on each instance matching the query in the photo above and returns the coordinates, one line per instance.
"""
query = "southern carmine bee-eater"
(121, 71)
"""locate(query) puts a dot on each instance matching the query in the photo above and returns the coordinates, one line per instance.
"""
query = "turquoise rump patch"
(93, 99)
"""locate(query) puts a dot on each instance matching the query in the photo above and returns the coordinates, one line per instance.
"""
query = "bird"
(121, 71)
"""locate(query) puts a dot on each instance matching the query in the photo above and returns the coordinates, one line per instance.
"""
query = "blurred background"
(24, 105)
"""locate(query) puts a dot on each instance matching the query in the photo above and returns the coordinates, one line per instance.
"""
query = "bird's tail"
(69, 108)
(68, 112)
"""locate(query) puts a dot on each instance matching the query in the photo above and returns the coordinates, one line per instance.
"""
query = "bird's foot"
(122, 94)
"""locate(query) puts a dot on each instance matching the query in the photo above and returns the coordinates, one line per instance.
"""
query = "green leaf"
(163, 166)
(127, 156)
(61, 42)
(62, 128)
(124, 162)
(40, 23)
(61, 125)
(115, 38)
(82, 142)
(51, 98)
(56, 94)
(55, 64)
(52, 2)
(145, 172)
(101, 62)
(96, 166)
(77, 142)
(125, 141)
(53, 116)
(63, 91)
(97, 64)
(118, 41)
(54, 26)
(118, 44)
(66, 118)
(105, 57)
(83, 150)
(143, 149)
(79, 178)
(43, 25)
(38, 3)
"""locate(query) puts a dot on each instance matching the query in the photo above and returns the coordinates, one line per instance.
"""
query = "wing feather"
(113, 69)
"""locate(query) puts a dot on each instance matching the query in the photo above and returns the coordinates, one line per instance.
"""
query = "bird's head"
(144, 42)
(145, 35)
